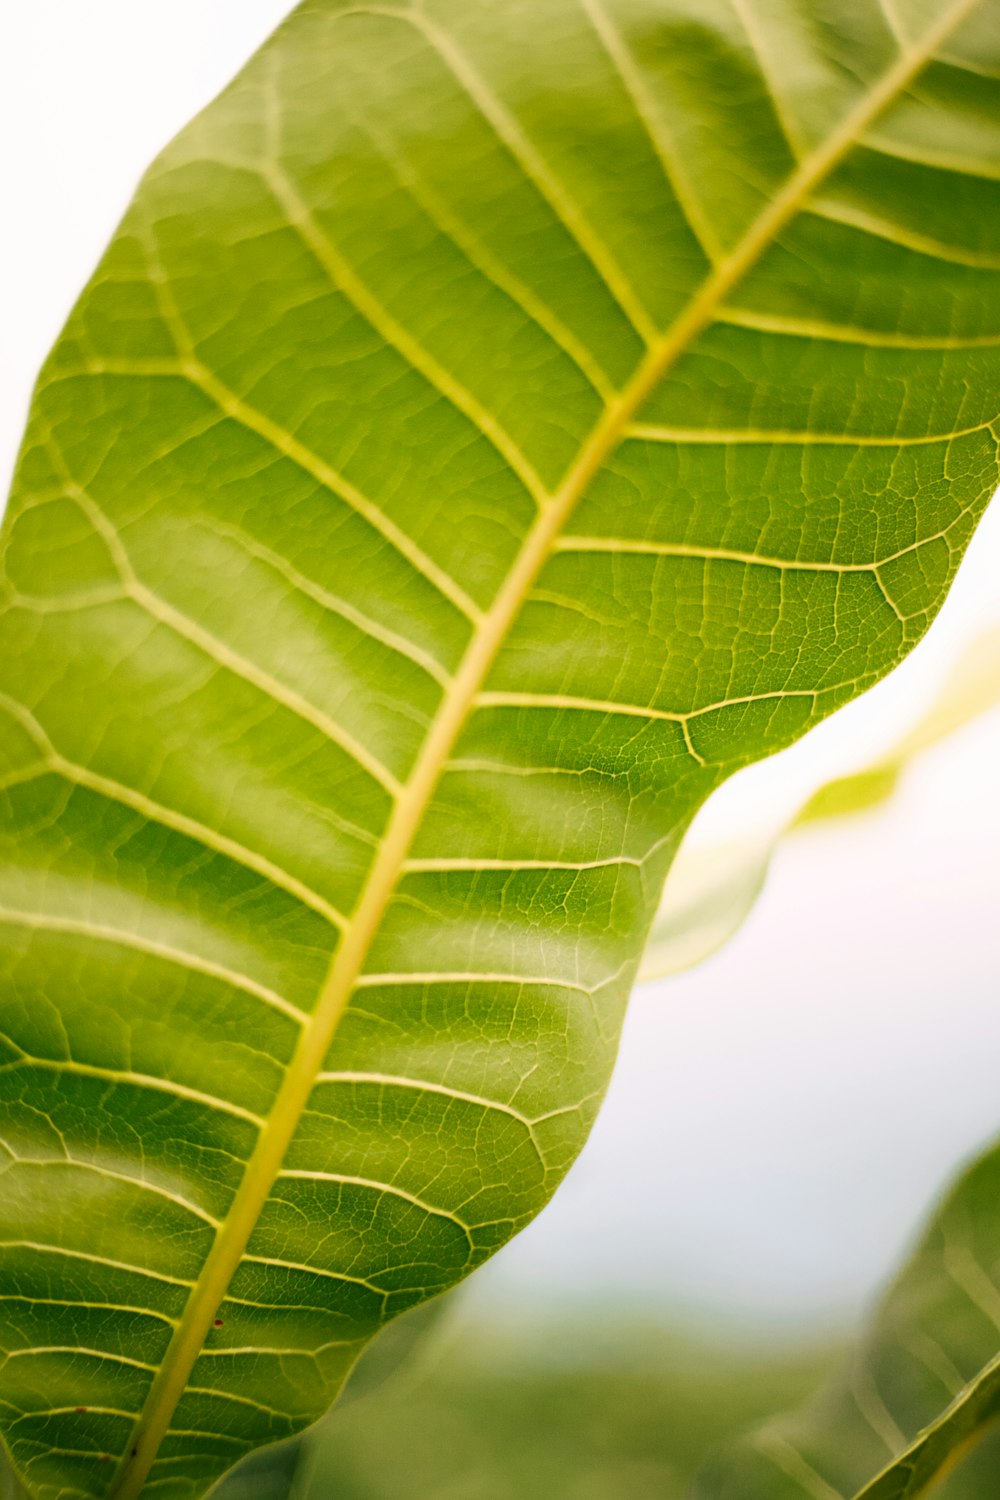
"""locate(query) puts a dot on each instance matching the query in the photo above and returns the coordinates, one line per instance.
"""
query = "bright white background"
(781, 1117)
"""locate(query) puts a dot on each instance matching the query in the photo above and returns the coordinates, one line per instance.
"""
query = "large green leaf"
(923, 1386)
(711, 891)
(491, 425)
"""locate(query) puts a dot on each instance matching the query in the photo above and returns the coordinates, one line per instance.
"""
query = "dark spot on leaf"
(217, 1323)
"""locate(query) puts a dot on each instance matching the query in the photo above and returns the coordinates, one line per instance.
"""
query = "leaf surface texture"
(490, 426)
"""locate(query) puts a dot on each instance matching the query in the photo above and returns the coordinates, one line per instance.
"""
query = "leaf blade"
(247, 327)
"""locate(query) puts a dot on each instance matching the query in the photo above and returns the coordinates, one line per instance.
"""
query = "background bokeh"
(782, 1117)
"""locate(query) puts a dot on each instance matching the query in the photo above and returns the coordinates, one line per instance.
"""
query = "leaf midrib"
(457, 702)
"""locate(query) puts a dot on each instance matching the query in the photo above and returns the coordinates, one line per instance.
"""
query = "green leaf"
(923, 1386)
(282, 1470)
(490, 427)
(710, 892)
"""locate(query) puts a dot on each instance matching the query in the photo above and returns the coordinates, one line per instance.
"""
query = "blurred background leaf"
(921, 1389)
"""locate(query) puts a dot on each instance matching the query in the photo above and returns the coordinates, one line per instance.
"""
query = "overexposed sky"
(781, 1116)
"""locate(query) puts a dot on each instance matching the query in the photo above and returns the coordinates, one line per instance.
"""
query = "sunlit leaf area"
(499, 687)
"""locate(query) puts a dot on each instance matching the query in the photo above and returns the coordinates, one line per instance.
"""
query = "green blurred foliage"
(561, 1413)
(976, 1477)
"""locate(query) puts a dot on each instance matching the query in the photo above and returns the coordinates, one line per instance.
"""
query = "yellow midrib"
(265, 1163)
